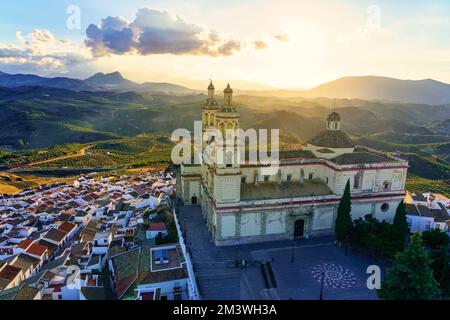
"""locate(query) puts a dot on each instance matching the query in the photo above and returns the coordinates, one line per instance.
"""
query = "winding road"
(80, 153)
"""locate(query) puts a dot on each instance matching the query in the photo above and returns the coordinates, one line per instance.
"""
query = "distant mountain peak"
(106, 76)
(427, 91)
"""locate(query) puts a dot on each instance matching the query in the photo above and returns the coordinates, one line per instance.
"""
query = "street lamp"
(321, 286)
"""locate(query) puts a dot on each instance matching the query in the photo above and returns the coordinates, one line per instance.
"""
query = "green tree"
(435, 238)
(410, 277)
(400, 226)
(343, 224)
(441, 268)
(438, 241)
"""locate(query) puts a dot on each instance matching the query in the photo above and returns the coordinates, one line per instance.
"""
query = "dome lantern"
(334, 121)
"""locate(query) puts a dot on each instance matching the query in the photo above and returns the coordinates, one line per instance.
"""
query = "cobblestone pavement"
(219, 279)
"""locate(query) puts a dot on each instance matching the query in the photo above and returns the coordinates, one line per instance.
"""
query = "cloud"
(156, 32)
(260, 45)
(281, 37)
(41, 52)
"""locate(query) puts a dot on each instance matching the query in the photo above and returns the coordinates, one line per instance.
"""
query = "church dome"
(332, 139)
(334, 116)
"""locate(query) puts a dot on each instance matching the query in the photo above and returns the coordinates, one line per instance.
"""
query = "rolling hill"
(41, 113)
(426, 91)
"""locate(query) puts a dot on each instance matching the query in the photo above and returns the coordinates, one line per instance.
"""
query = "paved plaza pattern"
(334, 276)
(298, 267)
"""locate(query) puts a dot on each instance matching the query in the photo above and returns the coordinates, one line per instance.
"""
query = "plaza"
(297, 267)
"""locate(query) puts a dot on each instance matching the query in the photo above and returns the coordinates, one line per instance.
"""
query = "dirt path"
(80, 153)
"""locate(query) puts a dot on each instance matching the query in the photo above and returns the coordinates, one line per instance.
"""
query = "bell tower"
(228, 96)
(211, 90)
(209, 109)
(227, 172)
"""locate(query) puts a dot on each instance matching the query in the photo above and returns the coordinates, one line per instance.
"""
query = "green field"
(415, 184)
(27, 156)
(143, 150)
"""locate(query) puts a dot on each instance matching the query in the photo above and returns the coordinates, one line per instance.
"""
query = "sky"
(254, 44)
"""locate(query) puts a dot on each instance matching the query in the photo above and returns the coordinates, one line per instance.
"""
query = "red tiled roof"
(67, 226)
(69, 213)
(9, 272)
(37, 249)
(55, 235)
(57, 289)
(24, 244)
(161, 226)
(42, 207)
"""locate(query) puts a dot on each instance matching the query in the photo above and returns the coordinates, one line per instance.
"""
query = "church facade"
(245, 202)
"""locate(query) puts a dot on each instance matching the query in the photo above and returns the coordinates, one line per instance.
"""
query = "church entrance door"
(194, 200)
(299, 228)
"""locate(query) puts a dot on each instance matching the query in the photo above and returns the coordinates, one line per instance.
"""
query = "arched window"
(357, 181)
(387, 186)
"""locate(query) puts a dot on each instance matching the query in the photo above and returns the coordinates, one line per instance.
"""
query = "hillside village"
(426, 211)
(113, 237)
(116, 237)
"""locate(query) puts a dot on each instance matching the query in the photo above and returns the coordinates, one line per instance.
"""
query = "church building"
(245, 203)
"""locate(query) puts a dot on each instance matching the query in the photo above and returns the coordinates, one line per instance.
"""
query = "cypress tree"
(344, 220)
(410, 277)
(400, 226)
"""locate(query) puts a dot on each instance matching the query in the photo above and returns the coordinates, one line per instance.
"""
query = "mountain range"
(98, 82)
(382, 88)
(426, 91)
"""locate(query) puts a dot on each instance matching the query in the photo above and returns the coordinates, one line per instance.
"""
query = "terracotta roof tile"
(9, 272)
(67, 226)
(37, 249)
(24, 244)
(55, 235)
